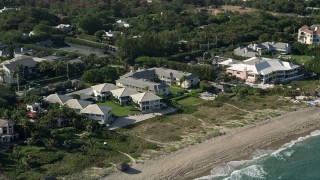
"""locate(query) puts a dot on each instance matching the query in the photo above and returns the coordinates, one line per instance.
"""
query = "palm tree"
(17, 73)
(2, 74)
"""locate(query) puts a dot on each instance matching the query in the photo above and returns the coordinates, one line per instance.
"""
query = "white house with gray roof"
(174, 77)
(147, 101)
(57, 98)
(255, 50)
(24, 66)
(97, 112)
(103, 90)
(77, 104)
(264, 70)
(123, 95)
(143, 85)
(7, 131)
(156, 80)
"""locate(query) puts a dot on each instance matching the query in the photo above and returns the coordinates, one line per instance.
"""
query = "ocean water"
(297, 160)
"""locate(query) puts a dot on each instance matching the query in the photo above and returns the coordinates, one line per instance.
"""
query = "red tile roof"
(310, 30)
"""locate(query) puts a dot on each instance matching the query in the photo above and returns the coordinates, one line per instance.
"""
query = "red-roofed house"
(309, 35)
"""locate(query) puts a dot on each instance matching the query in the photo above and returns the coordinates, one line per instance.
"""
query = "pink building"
(264, 70)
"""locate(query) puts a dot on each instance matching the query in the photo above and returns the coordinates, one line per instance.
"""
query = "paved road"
(125, 121)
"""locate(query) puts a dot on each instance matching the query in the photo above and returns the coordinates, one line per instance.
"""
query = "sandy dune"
(236, 144)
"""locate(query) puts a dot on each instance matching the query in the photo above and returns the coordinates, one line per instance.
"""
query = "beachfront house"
(7, 131)
(123, 95)
(143, 85)
(147, 101)
(103, 90)
(264, 70)
(157, 80)
(97, 112)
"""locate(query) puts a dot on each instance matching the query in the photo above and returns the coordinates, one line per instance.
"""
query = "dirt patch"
(226, 9)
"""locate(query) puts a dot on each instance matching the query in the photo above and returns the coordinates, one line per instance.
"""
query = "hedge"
(181, 57)
(86, 43)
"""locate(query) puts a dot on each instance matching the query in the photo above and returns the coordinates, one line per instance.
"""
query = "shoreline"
(238, 144)
(273, 146)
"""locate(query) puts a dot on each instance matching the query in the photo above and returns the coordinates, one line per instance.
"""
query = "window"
(238, 72)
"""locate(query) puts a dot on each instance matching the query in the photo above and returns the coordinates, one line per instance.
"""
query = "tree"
(7, 96)
(205, 86)
(92, 76)
(2, 74)
(99, 34)
(90, 24)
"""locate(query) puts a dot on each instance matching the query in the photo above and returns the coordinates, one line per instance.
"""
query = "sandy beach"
(239, 143)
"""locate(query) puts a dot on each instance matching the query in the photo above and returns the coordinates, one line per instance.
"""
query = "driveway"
(128, 120)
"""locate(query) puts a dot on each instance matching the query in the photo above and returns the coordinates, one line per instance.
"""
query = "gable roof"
(124, 92)
(57, 98)
(96, 109)
(228, 62)
(314, 29)
(141, 83)
(263, 66)
(77, 104)
(5, 123)
(174, 73)
(25, 61)
(106, 87)
(146, 96)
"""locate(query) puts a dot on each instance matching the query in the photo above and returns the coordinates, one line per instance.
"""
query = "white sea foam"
(260, 153)
(253, 171)
(278, 153)
(230, 167)
(222, 170)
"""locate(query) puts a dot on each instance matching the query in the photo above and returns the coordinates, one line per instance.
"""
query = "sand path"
(238, 143)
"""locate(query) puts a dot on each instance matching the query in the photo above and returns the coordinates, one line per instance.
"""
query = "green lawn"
(190, 101)
(120, 110)
(88, 37)
(301, 59)
(46, 80)
(175, 90)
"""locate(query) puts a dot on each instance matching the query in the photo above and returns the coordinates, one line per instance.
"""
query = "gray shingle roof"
(77, 104)
(26, 61)
(96, 109)
(124, 92)
(5, 123)
(146, 96)
(140, 83)
(106, 87)
(174, 73)
(57, 98)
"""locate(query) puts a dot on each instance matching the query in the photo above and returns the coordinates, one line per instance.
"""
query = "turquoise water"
(297, 160)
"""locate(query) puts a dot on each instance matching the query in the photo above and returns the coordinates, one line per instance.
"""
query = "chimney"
(245, 73)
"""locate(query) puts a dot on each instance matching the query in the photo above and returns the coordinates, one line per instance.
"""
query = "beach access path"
(128, 120)
(238, 143)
